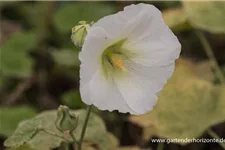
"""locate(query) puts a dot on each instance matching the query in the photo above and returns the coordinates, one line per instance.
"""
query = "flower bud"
(79, 33)
(65, 120)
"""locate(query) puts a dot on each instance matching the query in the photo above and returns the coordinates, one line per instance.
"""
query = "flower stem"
(211, 56)
(84, 127)
(214, 135)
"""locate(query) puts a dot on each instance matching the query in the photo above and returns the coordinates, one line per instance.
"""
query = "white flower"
(126, 60)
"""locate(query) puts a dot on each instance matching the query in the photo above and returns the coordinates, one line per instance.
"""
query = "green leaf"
(204, 71)
(47, 119)
(24, 132)
(66, 57)
(72, 99)
(186, 107)
(70, 14)
(9, 120)
(96, 132)
(14, 54)
(207, 15)
(176, 19)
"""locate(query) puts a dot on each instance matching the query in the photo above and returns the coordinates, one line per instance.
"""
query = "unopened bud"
(79, 33)
(65, 120)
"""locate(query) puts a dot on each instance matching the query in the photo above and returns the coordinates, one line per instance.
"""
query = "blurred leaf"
(70, 14)
(185, 109)
(14, 54)
(72, 99)
(23, 133)
(176, 19)
(206, 15)
(96, 132)
(204, 71)
(66, 57)
(183, 69)
(9, 120)
(88, 146)
(110, 143)
(7, 2)
(23, 147)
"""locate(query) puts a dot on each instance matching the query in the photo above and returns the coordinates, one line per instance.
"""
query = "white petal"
(141, 87)
(155, 77)
(91, 52)
(103, 95)
(132, 20)
(155, 53)
(137, 92)
(148, 21)
(113, 25)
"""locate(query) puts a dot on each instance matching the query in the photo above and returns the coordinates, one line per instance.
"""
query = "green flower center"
(114, 59)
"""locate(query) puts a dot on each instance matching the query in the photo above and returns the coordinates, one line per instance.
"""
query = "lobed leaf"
(23, 133)
(27, 133)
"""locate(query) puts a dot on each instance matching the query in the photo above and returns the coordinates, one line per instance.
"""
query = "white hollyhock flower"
(126, 60)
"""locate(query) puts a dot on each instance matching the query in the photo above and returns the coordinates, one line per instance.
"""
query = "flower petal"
(103, 95)
(156, 53)
(137, 93)
(91, 52)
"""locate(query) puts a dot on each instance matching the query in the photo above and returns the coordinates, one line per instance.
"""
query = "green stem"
(160, 146)
(84, 127)
(211, 56)
(214, 135)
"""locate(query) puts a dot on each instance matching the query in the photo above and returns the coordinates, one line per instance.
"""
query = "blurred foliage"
(3, 3)
(66, 57)
(9, 120)
(14, 54)
(35, 43)
(70, 14)
(187, 111)
(23, 147)
(174, 21)
(72, 98)
(207, 16)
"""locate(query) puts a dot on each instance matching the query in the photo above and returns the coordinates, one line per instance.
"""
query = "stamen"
(117, 61)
